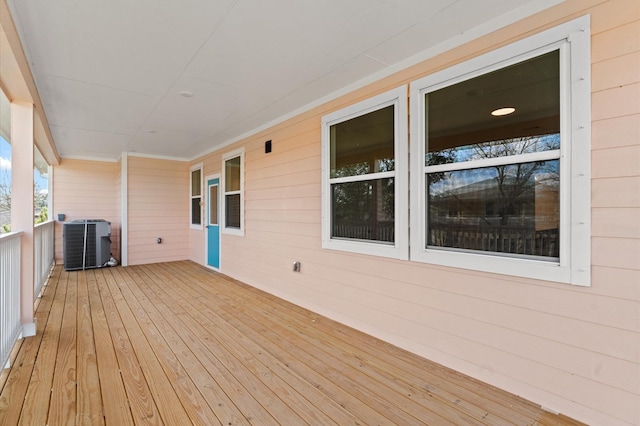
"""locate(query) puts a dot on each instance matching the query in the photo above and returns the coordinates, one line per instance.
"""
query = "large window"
(196, 196)
(41, 197)
(364, 176)
(5, 163)
(492, 161)
(502, 161)
(233, 185)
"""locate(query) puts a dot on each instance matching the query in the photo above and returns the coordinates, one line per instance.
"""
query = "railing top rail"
(48, 222)
(9, 236)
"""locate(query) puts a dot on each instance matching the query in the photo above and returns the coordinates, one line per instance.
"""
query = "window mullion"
(362, 178)
(497, 161)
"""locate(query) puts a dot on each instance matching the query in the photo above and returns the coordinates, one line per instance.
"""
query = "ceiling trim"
(129, 154)
(157, 157)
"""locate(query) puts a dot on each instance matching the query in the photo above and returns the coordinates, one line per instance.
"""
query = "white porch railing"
(9, 294)
(44, 256)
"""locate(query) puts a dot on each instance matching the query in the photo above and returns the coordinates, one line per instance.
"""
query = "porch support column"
(124, 209)
(22, 205)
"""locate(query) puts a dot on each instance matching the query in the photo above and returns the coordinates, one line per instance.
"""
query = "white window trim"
(400, 248)
(573, 39)
(191, 170)
(224, 193)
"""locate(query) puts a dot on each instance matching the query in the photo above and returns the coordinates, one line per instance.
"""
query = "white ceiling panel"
(108, 72)
(436, 29)
(87, 106)
(317, 90)
(203, 113)
(167, 143)
(80, 143)
(138, 46)
(288, 50)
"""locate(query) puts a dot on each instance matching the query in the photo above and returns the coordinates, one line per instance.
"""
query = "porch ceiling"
(111, 75)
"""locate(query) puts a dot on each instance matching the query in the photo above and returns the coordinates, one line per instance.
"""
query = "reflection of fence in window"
(513, 240)
(380, 231)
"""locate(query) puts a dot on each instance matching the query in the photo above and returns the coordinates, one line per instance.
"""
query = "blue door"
(213, 223)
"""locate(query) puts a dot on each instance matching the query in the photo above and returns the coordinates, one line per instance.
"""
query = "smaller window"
(233, 199)
(364, 176)
(196, 196)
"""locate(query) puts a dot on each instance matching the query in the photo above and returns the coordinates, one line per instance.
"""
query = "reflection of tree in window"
(499, 191)
(363, 208)
(506, 204)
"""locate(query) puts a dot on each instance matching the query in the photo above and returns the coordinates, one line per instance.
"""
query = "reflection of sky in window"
(494, 149)
(546, 172)
(5, 161)
(460, 178)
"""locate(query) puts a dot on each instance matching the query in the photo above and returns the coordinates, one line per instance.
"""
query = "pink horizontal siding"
(85, 190)
(572, 349)
(158, 201)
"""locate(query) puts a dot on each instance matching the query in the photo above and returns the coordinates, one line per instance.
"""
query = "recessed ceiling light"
(185, 94)
(503, 111)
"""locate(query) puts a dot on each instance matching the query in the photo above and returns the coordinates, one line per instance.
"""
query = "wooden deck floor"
(177, 344)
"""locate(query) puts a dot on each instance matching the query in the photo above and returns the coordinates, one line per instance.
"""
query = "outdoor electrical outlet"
(296, 266)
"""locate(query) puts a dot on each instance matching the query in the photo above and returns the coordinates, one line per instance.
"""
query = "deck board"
(19, 376)
(188, 396)
(175, 343)
(37, 400)
(143, 407)
(278, 379)
(62, 410)
(89, 397)
(115, 405)
(234, 381)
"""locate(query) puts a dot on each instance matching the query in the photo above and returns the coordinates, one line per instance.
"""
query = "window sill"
(504, 265)
(233, 231)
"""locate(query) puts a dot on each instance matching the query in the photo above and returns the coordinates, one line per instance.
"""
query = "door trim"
(206, 223)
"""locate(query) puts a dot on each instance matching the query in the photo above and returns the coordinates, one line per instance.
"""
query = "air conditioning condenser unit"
(86, 244)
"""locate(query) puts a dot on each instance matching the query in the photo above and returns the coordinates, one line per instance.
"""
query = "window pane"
(232, 211)
(363, 210)
(504, 209)
(40, 194)
(213, 205)
(232, 174)
(5, 185)
(195, 183)
(460, 124)
(363, 144)
(5, 163)
(195, 211)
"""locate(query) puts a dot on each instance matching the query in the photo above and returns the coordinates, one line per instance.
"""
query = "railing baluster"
(9, 294)
(43, 246)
